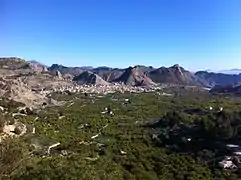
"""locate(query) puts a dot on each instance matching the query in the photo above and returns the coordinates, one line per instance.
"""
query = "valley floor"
(172, 135)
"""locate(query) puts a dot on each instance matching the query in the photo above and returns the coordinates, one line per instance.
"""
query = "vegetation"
(150, 136)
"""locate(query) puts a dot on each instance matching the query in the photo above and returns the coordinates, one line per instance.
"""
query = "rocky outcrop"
(16, 129)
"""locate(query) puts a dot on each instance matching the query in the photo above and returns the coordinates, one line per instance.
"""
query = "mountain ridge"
(138, 75)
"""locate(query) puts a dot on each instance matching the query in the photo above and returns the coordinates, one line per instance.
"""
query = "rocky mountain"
(145, 69)
(135, 76)
(173, 75)
(13, 63)
(108, 74)
(37, 66)
(213, 79)
(66, 70)
(12, 66)
(18, 78)
(144, 75)
(17, 90)
(230, 89)
(88, 77)
(138, 75)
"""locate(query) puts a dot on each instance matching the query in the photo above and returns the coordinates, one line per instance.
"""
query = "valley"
(137, 123)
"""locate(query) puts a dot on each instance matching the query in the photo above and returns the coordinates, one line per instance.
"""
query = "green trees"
(178, 146)
(13, 153)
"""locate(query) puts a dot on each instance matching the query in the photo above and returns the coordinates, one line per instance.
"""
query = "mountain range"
(146, 75)
(138, 75)
(231, 71)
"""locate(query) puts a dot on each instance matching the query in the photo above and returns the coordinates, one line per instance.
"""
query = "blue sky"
(197, 34)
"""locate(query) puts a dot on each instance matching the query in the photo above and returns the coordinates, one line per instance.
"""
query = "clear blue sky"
(197, 34)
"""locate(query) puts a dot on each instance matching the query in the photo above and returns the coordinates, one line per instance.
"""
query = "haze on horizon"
(200, 34)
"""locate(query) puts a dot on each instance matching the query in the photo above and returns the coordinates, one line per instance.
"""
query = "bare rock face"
(135, 76)
(19, 80)
(37, 67)
(173, 75)
(89, 78)
(108, 74)
(16, 90)
(66, 70)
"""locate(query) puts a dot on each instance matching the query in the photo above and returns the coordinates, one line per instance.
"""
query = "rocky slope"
(173, 75)
(37, 66)
(213, 79)
(65, 70)
(15, 89)
(108, 74)
(68, 70)
(88, 77)
(18, 78)
(135, 76)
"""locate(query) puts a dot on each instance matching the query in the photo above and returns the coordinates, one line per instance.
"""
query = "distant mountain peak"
(173, 75)
(176, 66)
(88, 77)
(135, 76)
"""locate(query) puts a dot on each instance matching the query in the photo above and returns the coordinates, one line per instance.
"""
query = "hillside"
(230, 89)
(83, 127)
(88, 77)
(66, 70)
(37, 66)
(146, 75)
(108, 74)
(173, 75)
(18, 78)
(213, 79)
(135, 76)
(153, 136)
